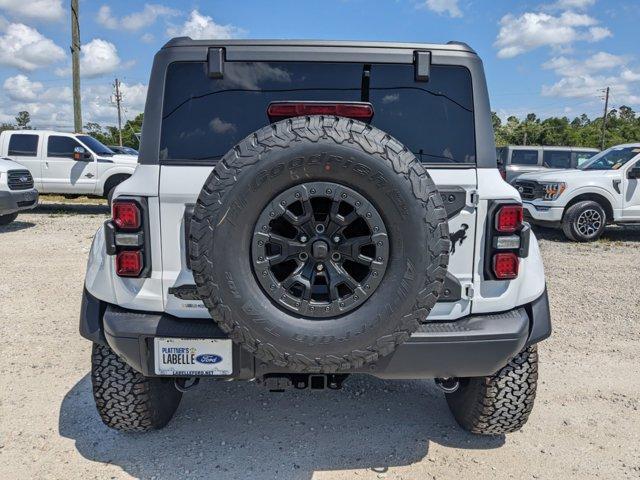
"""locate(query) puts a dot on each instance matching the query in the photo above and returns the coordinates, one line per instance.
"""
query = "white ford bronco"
(308, 210)
(604, 190)
(67, 163)
(17, 192)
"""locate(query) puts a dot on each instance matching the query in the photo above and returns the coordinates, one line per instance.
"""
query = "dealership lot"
(586, 422)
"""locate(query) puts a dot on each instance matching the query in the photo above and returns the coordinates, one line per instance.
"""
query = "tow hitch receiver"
(281, 382)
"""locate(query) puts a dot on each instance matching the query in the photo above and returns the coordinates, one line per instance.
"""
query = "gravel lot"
(586, 422)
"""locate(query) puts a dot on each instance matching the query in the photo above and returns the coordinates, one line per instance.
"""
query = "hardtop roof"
(449, 46)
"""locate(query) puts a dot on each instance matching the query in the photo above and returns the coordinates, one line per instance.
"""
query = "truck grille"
(529, 190)
(19, 180)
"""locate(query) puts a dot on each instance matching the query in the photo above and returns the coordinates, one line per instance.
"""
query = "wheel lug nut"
(303, 238)
(319, 267)
(336, 239)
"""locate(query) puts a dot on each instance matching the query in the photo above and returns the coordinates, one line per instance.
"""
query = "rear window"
(556, 159)
(203, 117)
(23, 145)
(524, 157)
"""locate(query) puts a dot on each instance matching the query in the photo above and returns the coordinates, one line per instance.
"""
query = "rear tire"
(127, 400)
(584, 221)
(7, 219)
(500, 403)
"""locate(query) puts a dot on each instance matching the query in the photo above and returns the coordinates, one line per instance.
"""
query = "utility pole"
(118, 100)
(75, 65)
(604, 118)
(525, 136)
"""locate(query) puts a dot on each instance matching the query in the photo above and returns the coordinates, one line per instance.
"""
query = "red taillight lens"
(126, 215)
(509, 218)
(129, 263)
(281, 110)
(505, 266)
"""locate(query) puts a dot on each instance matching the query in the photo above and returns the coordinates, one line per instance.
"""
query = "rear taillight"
(281, 110)
(505, 265)
(507, 241)
(509, 218)
(129, 263)
(126, 215)
(126, 239)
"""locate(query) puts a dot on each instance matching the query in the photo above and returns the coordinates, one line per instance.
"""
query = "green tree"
(23, 119)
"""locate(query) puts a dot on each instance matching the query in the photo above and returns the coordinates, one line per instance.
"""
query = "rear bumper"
(16, 200)
(472, 346)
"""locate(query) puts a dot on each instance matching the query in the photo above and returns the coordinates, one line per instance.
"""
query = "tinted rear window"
(23, 145)
(524, 157)
(203, 118)
(556, 159)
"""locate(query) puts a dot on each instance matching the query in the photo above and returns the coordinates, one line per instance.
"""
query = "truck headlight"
(553, 190)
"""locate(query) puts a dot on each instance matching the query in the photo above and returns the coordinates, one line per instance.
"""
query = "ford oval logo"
(520, 189)
(208, 358)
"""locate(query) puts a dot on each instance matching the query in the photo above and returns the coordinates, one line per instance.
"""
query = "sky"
(550, 57)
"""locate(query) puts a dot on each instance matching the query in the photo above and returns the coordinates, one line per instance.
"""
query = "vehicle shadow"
(16, 226)
(625, 233)
(71, 208)
(239, 430)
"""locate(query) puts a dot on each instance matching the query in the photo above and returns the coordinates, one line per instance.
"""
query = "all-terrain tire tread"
(281, 135)
(500, 403)
(127, 400)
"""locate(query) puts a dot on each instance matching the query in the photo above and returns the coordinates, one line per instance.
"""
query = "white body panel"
(169, 189)
(622, 193)
(58, 174)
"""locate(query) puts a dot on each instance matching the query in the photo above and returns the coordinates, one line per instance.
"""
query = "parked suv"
(16, 190)
(308, 210)
(604, 190)
(514, 160)
(67, 163)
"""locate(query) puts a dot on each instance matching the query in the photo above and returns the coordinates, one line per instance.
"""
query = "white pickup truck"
(604, 190)
(67, 163)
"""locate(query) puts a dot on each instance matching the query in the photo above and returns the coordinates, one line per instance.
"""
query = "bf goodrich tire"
(300, 206)
(127, 400)
(500, 403)
(7, 219)
(584, 221)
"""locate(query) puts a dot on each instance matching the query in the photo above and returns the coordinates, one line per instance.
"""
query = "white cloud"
(449, 7)
(220, 126)
(147, 38)
(136, 20)
(526, 32)
(21, 88)
(99, 57)
(49, 10)
(598, 61)
(199, 26)
(25, 48)
(573, 4)
(53, 107)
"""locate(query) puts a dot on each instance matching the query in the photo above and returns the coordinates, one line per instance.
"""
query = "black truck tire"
(584, 221)
(7, 219)
(500, 403)
(304, 153)
(127, 400)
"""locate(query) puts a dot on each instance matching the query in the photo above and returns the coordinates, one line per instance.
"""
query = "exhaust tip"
(447, 385)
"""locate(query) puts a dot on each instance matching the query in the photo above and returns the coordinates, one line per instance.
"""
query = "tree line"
(622, 126)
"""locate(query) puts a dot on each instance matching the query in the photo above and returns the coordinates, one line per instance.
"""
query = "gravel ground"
(585, 424)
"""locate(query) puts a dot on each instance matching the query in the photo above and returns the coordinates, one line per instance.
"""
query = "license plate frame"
(192, 356)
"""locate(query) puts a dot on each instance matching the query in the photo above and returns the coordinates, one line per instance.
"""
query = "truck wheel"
(127, 400)
(319, 244)
(584, 221)
(7, 219)
(500, 403)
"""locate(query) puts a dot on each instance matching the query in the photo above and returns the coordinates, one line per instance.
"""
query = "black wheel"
(500, 403)
(319, 244)
(584, 221)
(127, 400)
(7, 219)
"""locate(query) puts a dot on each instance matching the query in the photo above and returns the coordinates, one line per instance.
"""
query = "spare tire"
(319, 244)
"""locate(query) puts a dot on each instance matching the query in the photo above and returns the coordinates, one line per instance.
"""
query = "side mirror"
(634, 172)
(80, 154)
